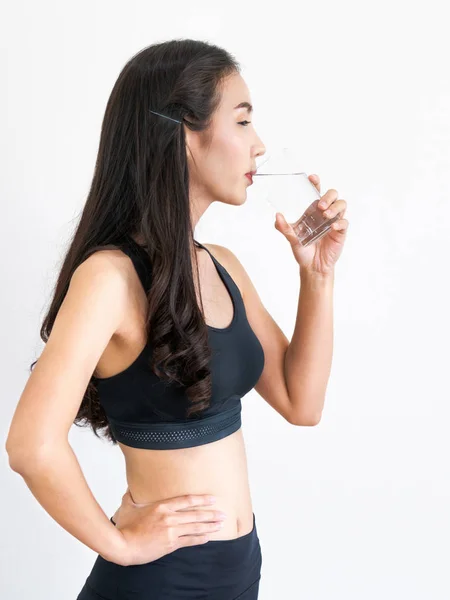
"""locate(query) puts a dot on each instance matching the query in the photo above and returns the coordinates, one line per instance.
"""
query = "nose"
(259, 149)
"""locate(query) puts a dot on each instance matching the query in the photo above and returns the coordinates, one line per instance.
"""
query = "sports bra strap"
(216, 262)
(140, 261)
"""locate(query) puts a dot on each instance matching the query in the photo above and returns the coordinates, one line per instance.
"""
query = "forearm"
(58, 484)
(309, 354)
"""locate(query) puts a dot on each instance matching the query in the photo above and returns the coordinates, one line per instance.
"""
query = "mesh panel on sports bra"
(177, 435)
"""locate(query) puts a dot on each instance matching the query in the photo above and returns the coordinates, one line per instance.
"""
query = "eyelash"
(242, 123)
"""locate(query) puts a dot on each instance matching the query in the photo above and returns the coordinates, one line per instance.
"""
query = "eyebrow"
(246, 105)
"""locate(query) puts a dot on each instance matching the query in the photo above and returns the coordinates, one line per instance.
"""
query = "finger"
(315, 180)
(193, 540)
(336, 208)
(188, 500)
(197, 528)
(286, 229)
(196, 516)
(340, 226)
(328, 198)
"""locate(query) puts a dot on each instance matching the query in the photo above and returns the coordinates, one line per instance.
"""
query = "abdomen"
(218, 468)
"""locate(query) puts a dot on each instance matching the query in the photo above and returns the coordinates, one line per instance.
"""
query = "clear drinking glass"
(288, 190)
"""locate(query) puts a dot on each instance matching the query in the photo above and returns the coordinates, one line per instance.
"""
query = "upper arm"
(90, 313)
(272, 383)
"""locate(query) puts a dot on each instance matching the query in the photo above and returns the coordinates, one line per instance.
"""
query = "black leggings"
(218, 570)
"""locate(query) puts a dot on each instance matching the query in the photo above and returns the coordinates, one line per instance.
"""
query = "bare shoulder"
(109, 260)
(90, 313)
(103, 275)
(107, 265)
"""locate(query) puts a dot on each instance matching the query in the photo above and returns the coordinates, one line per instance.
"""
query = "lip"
(249, 176)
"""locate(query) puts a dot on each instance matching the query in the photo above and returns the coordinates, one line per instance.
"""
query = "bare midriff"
(218, 468)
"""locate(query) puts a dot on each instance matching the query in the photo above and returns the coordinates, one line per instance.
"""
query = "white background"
(357, 507)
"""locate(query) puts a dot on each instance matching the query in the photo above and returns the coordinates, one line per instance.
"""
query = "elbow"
(18, 459)
(12, 456)
(26, 459)
(305, 420)
(15, 449)
(16, 452)
(15, 463)
(28, 451)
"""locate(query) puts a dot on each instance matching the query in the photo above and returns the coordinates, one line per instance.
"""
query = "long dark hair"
(140, 187)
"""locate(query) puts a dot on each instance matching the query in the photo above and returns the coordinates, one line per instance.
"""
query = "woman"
(160, 359)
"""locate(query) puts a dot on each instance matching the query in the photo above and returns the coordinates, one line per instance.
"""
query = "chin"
(242, 197)
(234, 200)
(241, 200)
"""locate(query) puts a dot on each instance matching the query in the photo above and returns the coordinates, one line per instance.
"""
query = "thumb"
(287, 230)
(280, 222)
(283, 226)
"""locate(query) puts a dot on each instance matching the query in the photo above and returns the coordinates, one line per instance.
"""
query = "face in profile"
(226, 152)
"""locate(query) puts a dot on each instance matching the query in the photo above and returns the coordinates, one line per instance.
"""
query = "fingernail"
(322, 204)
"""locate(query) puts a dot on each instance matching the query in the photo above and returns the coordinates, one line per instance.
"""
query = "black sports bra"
(144, 411)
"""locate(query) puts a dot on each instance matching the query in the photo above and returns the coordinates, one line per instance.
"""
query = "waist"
(219, 469)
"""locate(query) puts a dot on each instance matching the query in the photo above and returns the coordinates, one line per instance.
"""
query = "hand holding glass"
(287, 190)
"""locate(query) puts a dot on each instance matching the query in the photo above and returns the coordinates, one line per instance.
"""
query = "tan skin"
(219, 468)
(91, 334)
(217, 173)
